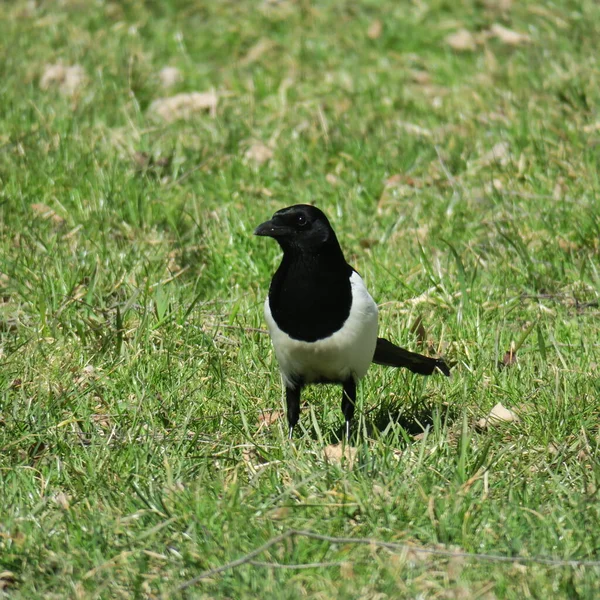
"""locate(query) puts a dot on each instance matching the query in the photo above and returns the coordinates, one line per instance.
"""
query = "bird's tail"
(390, 355)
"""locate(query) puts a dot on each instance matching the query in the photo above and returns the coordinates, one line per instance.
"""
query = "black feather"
(390, 355)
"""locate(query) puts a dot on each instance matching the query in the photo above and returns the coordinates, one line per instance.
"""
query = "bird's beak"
(270, 229)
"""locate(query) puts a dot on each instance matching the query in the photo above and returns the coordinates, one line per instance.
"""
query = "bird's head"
(300, 227)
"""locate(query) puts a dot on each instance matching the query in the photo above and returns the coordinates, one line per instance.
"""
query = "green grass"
(134, 366)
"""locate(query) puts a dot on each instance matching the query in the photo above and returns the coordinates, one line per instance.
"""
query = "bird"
(321, 318)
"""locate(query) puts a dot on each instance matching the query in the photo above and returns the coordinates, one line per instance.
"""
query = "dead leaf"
(418, 329)
(62, 500)
(68, 80)
(499, 5)
(103, 421)
(494, 185)
(261, 47)
(169, 76)
(48, 214)
(266, 419)
(184, 106)
(367, 243)
(253, 460)
(256, 190)
(508, 36)
(346, 571)
(499, 154)
(89, 370)
(592, 127)
(567, 245)
(338, 453)
(36, 451)
(382, 492)
(549, 14)
(331, 179)
(41, 210)
(522, 165)
(142, 160)
(11, 324)
(461, 40)
(414, 129)
(7, 579)
(146, 162)
(17, 537)
(393, 180)
(280, 513)
(341, 106)
(259, 153)
(510, 358)
(414, 557)
(455, 567)
(375, 29)
(395, 187)
(421, 77)
(498, 415)
(114, 11)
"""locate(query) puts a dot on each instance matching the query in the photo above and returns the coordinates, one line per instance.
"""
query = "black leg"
(348, 401)
(292, 399)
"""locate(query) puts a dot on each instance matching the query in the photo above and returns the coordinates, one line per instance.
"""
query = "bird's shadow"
(413, 418)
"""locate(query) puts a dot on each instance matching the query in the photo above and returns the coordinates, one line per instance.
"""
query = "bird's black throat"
(311, 295)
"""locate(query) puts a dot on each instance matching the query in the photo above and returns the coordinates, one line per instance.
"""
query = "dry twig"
(248, 558)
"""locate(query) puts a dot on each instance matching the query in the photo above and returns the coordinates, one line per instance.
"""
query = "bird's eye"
(301, 220)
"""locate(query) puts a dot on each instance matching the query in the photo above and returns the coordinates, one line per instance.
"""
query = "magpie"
(321, 318)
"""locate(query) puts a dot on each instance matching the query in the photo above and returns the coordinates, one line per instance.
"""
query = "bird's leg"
(348, 401)
(292, 400)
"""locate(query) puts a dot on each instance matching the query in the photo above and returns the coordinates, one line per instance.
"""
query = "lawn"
(454, 146)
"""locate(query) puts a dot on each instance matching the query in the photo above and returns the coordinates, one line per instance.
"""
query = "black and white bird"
(321, 318)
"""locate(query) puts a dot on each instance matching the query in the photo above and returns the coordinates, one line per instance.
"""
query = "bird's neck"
(326, 256)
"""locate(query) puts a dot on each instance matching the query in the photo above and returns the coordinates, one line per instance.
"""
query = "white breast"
(347, 352)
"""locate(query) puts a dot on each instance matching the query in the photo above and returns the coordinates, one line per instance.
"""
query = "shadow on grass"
(413, 417)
